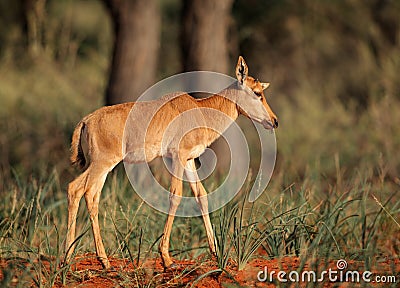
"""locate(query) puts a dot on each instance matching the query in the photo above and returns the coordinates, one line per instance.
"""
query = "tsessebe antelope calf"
(99, 144)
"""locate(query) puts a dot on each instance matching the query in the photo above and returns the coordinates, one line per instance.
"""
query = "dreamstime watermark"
(139, 132)
(332, 275)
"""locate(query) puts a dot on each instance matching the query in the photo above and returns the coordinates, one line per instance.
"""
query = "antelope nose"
(275, 121)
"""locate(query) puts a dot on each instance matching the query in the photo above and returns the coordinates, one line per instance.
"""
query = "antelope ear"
(264, 85)
(241, 70)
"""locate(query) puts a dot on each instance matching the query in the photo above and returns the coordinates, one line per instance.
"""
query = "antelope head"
(253, 103)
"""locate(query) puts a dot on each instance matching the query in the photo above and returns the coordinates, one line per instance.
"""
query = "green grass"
(300, 222)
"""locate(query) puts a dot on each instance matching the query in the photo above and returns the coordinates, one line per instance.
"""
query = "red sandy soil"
(87, 272)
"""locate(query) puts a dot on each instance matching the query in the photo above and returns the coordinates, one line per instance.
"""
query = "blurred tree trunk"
(205, 45)
(204, 35)
(33, 23)
(136, 44)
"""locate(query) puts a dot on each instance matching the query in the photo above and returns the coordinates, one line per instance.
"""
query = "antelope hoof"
(171, 267)
(105, 263)
(213, 251)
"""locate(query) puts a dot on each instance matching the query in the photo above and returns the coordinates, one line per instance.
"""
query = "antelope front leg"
(201, 197)
(203, 204)
(174, 200)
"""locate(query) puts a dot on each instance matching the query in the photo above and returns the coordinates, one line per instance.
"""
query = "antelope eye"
(258, 93)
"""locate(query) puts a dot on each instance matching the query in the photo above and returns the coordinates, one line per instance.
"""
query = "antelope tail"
(77, 156)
